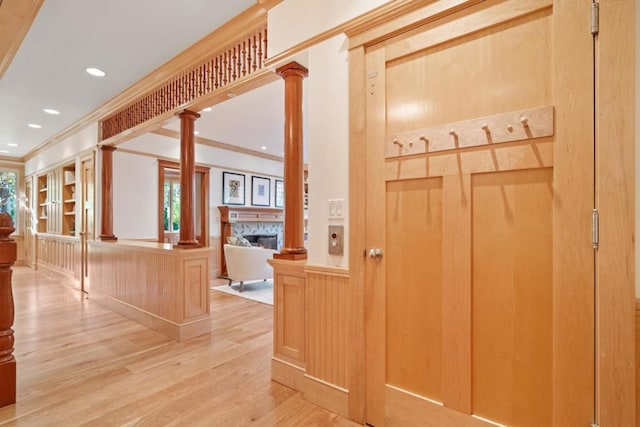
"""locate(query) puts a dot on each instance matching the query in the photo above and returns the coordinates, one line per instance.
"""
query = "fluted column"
(187, 179)
(294, 249)
(106, 223)
(8, 255)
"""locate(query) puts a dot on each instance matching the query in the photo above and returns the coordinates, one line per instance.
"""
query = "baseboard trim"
(315, 390)
(178, 332)
(326, 395)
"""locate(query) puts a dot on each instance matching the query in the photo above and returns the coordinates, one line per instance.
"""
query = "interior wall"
(294, 21)
(328, 146)
(135, 196)
(156, 146)
(64, 150)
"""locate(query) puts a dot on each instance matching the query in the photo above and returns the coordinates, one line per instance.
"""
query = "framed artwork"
(260, 191)
(279, 196)
(232, 188)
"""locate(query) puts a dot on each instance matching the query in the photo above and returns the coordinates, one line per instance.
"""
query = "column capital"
(292, 69)
(108, 148)
(188, 114)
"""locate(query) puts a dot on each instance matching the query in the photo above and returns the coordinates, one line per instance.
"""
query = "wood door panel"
(414, 286)
(418, 95)
(512, 296)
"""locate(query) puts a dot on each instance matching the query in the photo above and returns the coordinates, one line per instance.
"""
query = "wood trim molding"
(220, 38)
(216, 144)
(327, 270)
(16, 18)
(361, 23)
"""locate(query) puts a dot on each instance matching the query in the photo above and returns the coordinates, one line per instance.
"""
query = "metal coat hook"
(398, 143)
(424, 138)
(525, 121)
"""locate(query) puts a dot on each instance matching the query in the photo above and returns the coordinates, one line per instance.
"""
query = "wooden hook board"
(500, 128)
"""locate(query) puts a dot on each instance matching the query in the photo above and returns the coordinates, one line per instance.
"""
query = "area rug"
(260, 291)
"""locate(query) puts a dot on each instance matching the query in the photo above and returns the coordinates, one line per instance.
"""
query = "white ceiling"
(127, 39)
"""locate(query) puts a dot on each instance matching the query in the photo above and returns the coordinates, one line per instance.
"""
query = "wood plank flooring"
(81, 364)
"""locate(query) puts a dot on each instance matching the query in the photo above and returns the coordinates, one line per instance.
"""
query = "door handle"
(375, 254)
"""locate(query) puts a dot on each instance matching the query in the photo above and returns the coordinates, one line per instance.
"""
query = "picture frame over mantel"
(232, 188)
(278, 200)
(260, 191)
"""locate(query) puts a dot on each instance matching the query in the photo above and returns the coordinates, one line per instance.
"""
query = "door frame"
(615, 291)
(203, 239)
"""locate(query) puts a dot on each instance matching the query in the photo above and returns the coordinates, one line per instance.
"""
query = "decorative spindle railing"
(232, 64)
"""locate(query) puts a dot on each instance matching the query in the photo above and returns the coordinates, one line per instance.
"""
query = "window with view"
(8, 183)
(171, 205)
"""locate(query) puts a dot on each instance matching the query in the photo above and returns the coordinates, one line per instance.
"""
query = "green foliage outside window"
(171, 205)
(8, 182)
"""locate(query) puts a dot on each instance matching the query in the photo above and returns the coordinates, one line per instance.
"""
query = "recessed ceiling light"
(33, 125)
(4, 151)
(231, 95)
(206, 110)
(11, 144)
(195, 132)
(96, 72)
(264, 147)
(51, 111)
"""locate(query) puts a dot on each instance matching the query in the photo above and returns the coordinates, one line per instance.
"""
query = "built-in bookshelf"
(43, 203)
(56, 201)
(69, 200)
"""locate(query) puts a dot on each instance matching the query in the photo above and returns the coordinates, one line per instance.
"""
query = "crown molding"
(16, 17)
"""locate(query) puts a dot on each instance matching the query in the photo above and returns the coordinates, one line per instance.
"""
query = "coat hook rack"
(510, 126)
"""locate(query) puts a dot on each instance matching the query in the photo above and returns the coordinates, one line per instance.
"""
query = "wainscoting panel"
(326, 307)
(289, 312)
(60, 254)
(163, 288)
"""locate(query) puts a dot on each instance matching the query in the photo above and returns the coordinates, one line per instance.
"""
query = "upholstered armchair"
(247, 263)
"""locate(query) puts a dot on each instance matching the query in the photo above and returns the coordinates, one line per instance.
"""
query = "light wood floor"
(81, 364)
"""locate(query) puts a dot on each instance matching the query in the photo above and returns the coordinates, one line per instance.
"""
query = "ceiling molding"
(216, 144)
(228, 33)
(16, 17)
(375, 17)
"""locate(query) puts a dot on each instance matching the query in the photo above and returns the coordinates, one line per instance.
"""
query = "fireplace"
(269, 241)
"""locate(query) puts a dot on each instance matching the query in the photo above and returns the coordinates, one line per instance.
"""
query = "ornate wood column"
(8, 255)
(187, 180)
(293, 74)
(106, 223)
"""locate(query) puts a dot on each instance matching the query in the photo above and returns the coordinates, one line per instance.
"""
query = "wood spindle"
(264, 58)
(233, 61)
(249, 57)
(8, 256)
(239, 61)
(254, 47)
(244, 58)
(260, 50)
(229, 63)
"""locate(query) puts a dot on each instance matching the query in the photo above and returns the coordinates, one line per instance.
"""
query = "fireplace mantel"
(233, 214)
(230, 215)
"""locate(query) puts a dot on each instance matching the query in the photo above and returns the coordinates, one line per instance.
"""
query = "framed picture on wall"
(232, 188)
(260, 191)
(279, 194)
